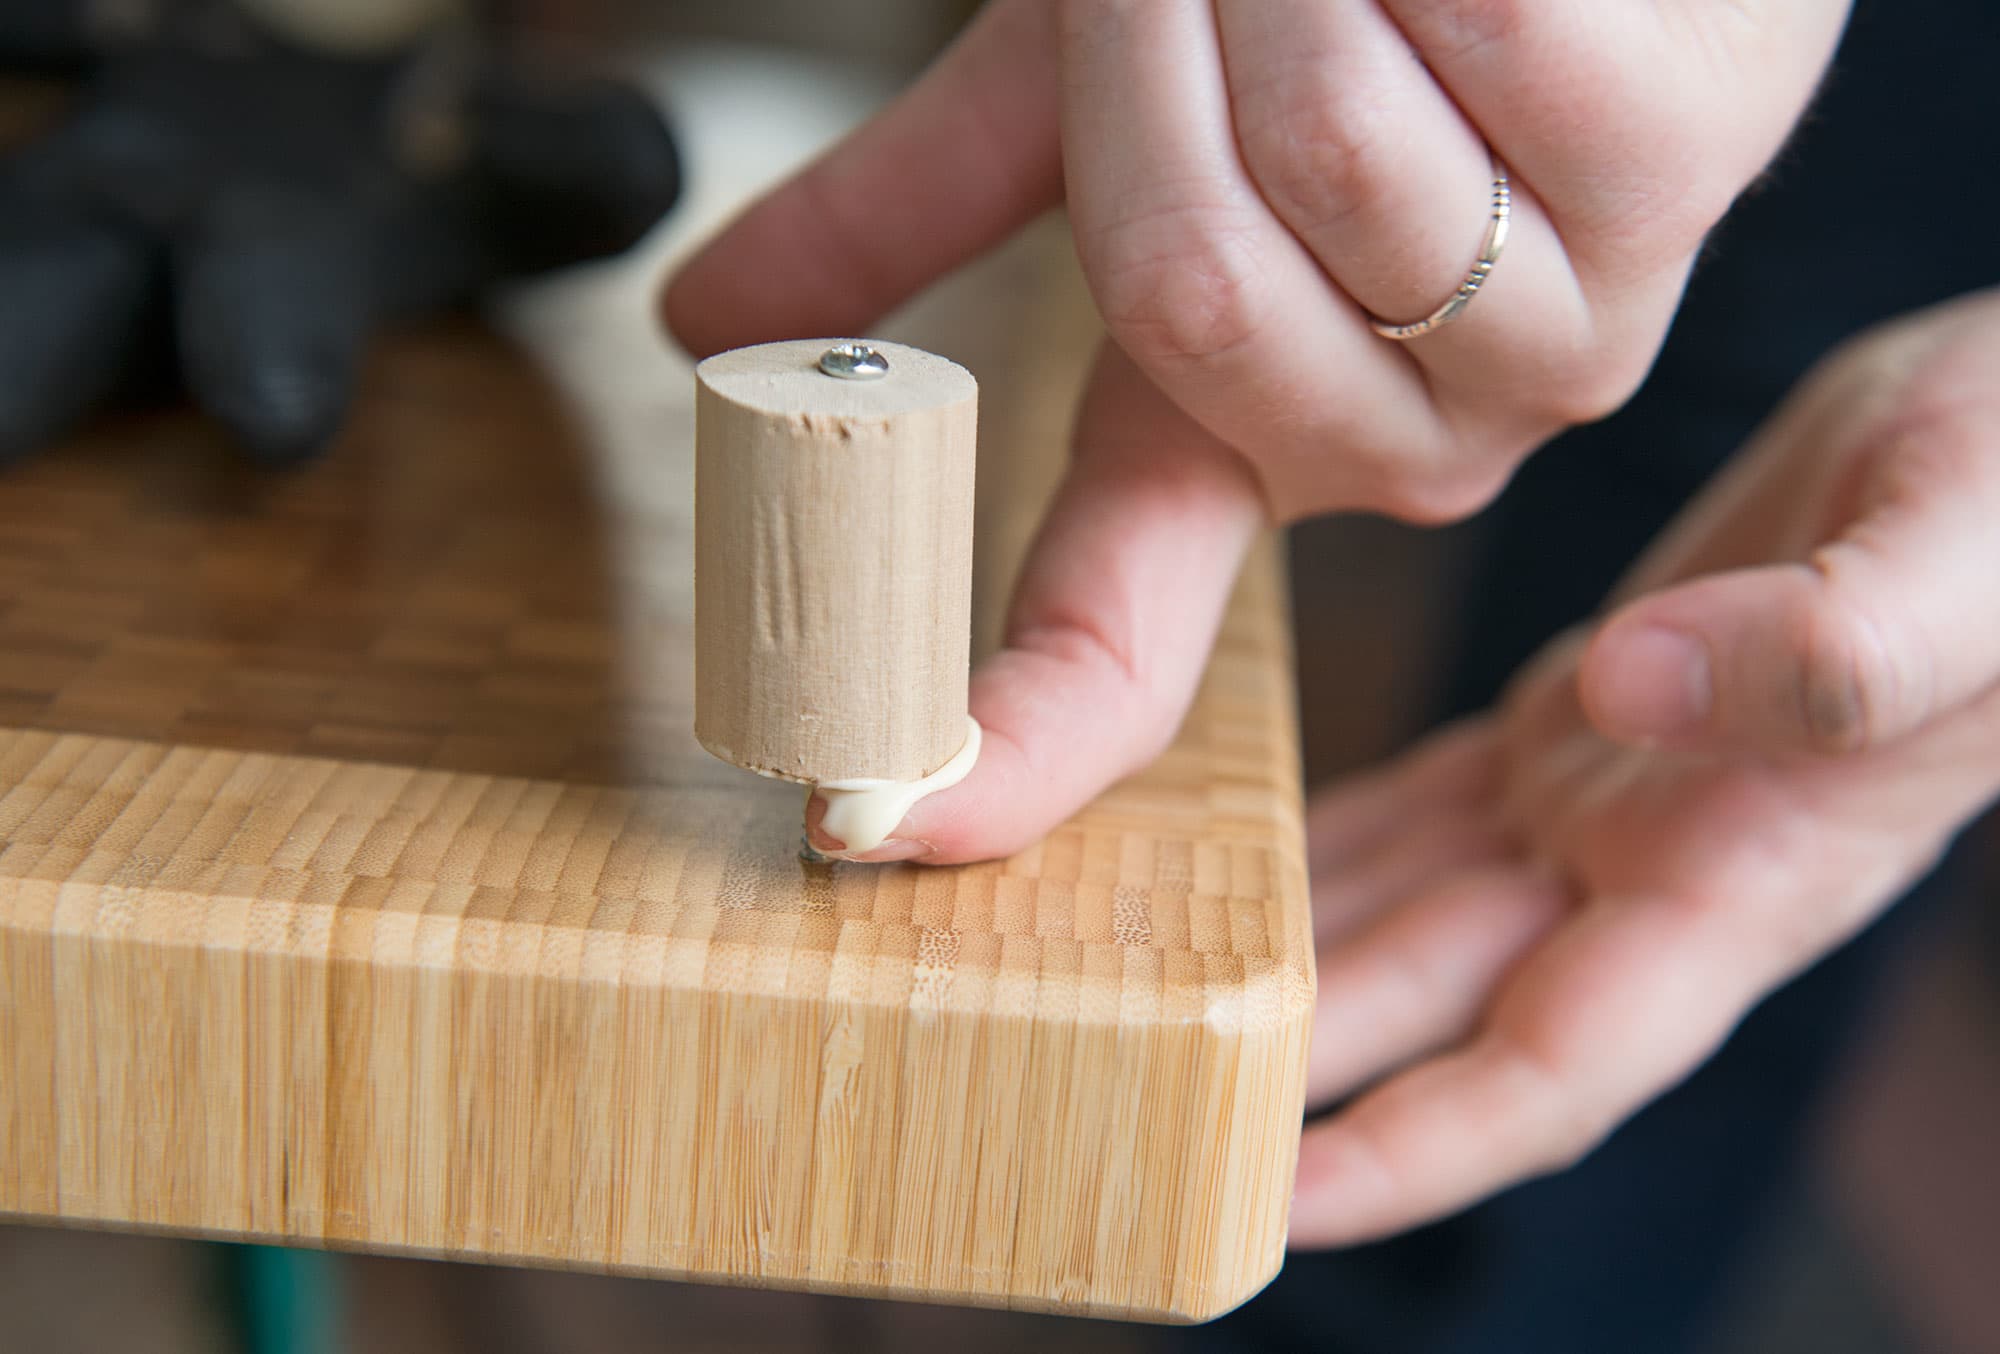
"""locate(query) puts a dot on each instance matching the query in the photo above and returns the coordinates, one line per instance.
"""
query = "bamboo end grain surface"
(363, 885)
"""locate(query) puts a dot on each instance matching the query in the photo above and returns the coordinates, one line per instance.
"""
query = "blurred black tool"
(239, 209)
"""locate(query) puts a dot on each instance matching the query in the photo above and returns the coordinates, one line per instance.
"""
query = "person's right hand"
(1249, 181)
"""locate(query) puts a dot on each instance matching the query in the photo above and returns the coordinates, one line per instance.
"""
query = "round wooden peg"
(833, 559)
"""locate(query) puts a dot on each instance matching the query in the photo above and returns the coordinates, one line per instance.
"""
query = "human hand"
(1248, 181)
(1536, 922)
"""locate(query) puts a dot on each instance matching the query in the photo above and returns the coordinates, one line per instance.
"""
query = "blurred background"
(1883, 1234)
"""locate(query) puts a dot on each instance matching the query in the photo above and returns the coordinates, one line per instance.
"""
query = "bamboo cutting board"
(362, 884)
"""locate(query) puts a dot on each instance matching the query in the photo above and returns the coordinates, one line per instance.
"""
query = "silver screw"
(854, 362)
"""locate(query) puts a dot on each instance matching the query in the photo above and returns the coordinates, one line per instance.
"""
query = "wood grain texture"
(362, 884)
(833, 562)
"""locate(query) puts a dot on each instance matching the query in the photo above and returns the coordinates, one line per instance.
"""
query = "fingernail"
(895, 848)
(815, 834)
(830, 846)
(1652, 685)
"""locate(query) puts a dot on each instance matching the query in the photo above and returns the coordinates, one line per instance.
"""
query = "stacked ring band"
(1482, 268)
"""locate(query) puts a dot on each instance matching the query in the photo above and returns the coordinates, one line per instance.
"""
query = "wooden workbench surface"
(362, 884)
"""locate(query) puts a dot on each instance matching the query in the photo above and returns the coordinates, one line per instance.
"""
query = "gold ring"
(1489, 254)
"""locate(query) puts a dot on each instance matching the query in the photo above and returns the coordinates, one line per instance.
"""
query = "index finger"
(950, 169)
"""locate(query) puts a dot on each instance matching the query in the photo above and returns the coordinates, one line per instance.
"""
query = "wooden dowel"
(833, 560)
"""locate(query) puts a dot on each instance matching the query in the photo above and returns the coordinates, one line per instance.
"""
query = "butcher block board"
(362, 884)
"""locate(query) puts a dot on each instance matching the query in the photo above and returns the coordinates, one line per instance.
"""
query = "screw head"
(854, 362)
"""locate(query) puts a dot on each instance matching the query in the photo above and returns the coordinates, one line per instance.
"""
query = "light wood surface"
(833, 562)
(362, 884)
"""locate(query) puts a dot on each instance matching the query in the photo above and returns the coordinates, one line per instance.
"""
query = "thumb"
(1111, 626)
(1878, 631)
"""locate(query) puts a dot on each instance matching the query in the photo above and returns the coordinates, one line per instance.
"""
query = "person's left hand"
(1540, 920)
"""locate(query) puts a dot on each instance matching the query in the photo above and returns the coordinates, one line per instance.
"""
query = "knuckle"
(1559, 1128)
(1593, 388)
(1946, 436)
(1081, 641)
(1566, 1145)
(1452, 30)
(1568, 372)
(1153, 742)
(1181, 285)
(1441, 501)
(1318, 156)
(1479, 467)
(1650, 225)
(1848, 687)
(1569, 1134)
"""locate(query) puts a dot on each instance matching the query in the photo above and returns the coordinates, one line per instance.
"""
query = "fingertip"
(1338, 1185)
(688, 304)
(1646, 683)
(766, 277)
(823, 839)
(964, 158)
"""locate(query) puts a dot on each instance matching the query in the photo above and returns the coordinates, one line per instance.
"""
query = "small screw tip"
(854, 362)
